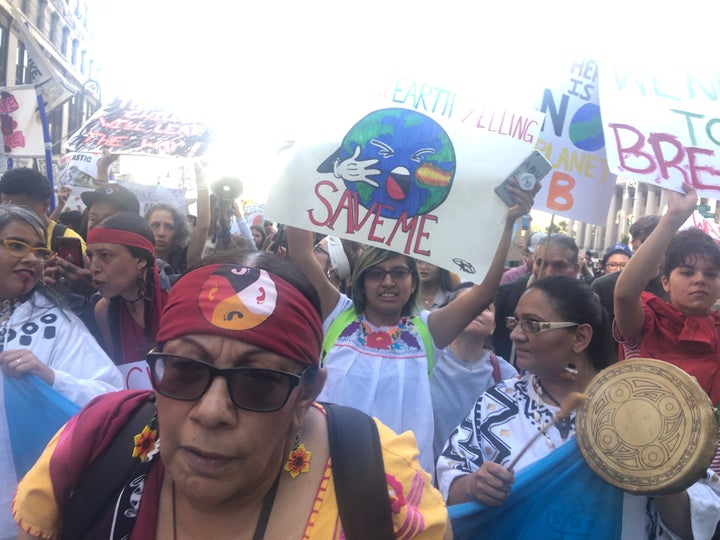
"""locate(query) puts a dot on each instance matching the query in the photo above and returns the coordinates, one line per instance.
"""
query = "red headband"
(131, 239)
(116, 236)
(246, 304)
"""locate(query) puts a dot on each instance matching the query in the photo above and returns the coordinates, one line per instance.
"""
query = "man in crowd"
(555, 255)
(31, 189)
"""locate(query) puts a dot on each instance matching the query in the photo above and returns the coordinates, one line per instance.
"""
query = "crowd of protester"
(457, 376)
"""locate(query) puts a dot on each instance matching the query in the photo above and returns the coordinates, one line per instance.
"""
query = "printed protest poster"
(78, 169)
(253, 212)
(662, 124)
(413, 173)
(20, 123)
(124, 128)
(580, 186)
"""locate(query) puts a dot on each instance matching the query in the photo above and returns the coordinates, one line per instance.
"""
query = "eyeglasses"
(398, 273)
(535, 327)
(251, 389)
(319, 249)
(615, 266)
(19, 249)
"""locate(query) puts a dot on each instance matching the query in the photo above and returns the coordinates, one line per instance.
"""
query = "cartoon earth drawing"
(397, 158)
(586, 131)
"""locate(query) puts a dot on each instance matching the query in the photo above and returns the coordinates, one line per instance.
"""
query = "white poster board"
(21, 127)
(580, 186)
(413, 173)
(662, 125)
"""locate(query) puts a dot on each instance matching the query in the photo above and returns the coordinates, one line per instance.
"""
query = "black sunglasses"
(251, 389)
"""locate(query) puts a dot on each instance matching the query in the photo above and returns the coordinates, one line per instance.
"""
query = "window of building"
(40, 21)
(55, 119)
(25, 6)
(83, 59)
(76, 111)
(64, 41)
(74, 53)
(4, 34)
(22, 73)
(54, 23)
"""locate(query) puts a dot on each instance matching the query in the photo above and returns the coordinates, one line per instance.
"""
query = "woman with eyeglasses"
(560, 331)
(238, 447)
(378, 355)
(123, 268)
(39, 336)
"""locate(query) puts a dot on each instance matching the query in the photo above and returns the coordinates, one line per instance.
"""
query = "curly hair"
(686, 246)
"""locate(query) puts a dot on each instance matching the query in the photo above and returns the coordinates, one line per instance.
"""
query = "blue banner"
(556, 497)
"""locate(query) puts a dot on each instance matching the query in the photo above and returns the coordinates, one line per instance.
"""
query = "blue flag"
(556, 497)
(34, 412)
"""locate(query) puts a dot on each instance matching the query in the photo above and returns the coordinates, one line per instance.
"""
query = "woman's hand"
(60, 274)
(17, 362)
(491, 484)
(523, 199)
(682, 205)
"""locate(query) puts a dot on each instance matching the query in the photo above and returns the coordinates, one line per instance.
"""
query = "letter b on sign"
(560, 191)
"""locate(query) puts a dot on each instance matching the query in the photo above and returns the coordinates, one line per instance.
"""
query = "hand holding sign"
(681, 206)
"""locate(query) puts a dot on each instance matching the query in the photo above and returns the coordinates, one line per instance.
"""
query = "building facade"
(62, 29)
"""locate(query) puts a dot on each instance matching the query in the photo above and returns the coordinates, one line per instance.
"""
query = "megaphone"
(227, 188)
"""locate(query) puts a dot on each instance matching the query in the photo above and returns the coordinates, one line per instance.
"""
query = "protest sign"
(580, 186)
(136, 375)
(21, 127)
(662, 125)
(149, 195)
(78, 169)
(413, 173)
(708, 226)
(124, 128)
(253, 213)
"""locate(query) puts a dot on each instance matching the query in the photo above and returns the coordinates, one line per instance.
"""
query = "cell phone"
(533, 169)
(70, 249)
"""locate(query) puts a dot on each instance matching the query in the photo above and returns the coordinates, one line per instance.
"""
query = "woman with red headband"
(233, 444)
(123, 269)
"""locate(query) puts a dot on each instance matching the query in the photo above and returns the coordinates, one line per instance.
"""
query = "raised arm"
(202, 226)
(103, 167)
(446, 323)
(644, 264)
(300, 247)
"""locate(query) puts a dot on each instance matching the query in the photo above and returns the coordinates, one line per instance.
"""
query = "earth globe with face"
(411, 157)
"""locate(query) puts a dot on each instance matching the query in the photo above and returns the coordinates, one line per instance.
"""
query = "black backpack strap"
(359, 474)
(105, 477)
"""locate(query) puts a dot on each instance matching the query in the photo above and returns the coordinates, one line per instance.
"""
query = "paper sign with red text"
(21, 127)
(413, 172)
(662, 125)
(136, 375)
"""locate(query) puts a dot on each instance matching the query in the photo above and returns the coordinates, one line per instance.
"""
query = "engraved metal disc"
(647, 427)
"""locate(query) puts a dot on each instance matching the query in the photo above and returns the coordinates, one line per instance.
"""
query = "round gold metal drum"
(647, 427)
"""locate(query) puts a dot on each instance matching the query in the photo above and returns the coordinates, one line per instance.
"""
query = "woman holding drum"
(560, 334)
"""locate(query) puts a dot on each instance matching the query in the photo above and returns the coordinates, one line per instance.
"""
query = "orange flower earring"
(299, 459)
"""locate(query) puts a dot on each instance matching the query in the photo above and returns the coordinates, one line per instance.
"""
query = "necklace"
(265, 511)
(562, 424)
